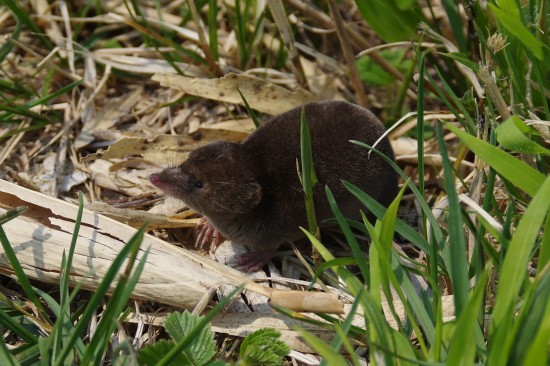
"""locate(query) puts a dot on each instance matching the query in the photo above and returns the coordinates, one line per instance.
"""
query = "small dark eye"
(199, 184)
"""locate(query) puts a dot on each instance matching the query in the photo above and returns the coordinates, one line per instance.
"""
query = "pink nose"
(154, 178)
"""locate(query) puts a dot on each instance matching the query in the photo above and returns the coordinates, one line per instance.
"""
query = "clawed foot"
(208, 235)
(251, 261)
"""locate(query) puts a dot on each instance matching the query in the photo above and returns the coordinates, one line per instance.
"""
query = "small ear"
(251, 194)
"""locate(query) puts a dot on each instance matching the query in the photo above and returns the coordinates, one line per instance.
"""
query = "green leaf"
(514, 170)
(380, 334)
(373, 74)
(202, 347)
(380, 13)
(512, 22)
(183, 343)
(511, 135)
(149, 355)
(263, 347)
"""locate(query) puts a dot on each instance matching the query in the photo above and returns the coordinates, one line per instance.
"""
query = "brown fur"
(251, 191)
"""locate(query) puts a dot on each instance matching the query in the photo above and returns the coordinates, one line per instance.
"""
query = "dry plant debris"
(131, 114)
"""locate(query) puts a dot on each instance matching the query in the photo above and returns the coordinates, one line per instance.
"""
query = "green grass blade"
(6, 357)
(513, 272)
(213, 28)
(341, 335)
(112, 313)
(385, 273)
(45, 349)
(376, 280)
(378, 210)
(20, 274)
(456, 242)
(449, 97)
(350, 238)
(462, 350)
(8, 46)
(451, 8)
(537, 353)
(512, 22)
(249, 110)
(309, 179)
(437, 232)
(21, 111)
(420, 128)
(24, 18)
(62, 326)
(380, 333)
(97, 297)
(463, 59)
(419, 195)
(381, 247)
(415, 306)
(8, 322)
(12, 214)
(332, 356)
(544, 255)
(354, 286)
(514, 170)
(530, 325)
(511, 135)
(24, 110)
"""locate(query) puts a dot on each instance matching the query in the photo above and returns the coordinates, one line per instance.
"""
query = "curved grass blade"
(513, 273)
(462, 350)
(531, 323)
(97, 297)
(456, 243)
(18, 270)
(511, 135)
(512, 22)
(514, 170)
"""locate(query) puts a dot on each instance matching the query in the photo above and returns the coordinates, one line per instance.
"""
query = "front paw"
(208, 236)
(251, 261)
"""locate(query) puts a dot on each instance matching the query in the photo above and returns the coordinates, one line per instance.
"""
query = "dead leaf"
(261, 94)
(163, 146)
(110, 114)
